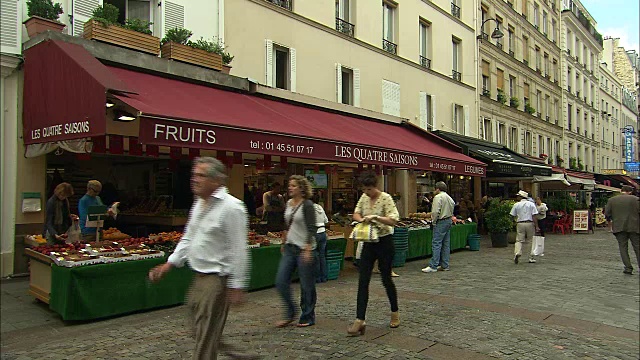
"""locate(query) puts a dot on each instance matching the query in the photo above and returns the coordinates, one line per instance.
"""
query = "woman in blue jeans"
(298, 252)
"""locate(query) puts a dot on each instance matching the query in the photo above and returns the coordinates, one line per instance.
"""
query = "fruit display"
(35, 240)
(256, 240)
(173, 236)
(114, 234)
(413, 222)
(422, 215)
(156, 205)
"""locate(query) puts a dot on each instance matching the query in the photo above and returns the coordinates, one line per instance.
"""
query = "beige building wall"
(310, 30)
(580, 77)
(609, 125)
(524, 59)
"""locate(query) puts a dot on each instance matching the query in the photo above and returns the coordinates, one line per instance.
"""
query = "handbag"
(366, 232)
(538, 246)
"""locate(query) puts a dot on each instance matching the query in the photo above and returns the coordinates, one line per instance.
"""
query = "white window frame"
(388, 21)
(343, 10)
(270, 72)
(455, 54)
(355, 85)
(425, 38)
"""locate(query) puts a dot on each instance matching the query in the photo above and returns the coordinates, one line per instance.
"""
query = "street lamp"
(496, 34)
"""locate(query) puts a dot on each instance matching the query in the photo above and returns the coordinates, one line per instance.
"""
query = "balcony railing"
(569, 88)
(499, 45)
(456, 75)
(614, 147)
(513, 54)
(345, 27)
(455, 10)
(389, 47)
(424, 62)
(547, 118)
(286, 4)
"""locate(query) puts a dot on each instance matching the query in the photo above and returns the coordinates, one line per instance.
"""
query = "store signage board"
(581, 220)
(519, 170)
(215, 137)
(632, 166)
(614, 171)
(628, 143)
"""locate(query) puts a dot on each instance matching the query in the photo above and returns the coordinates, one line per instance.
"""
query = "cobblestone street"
(574, 303)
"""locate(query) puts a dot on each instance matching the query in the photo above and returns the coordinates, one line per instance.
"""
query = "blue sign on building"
(632, 166)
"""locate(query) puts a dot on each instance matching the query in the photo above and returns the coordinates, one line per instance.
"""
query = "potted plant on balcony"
(43, 16)
(499, 221)
(215, 47)
(134, 34)
(559, 160)
(573, 165)
(176, 46)
(580, 165)
(529, 109)
(514, 102)
(502, 98)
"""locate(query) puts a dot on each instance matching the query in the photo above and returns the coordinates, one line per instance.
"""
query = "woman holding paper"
(91, 198)
(58, 213)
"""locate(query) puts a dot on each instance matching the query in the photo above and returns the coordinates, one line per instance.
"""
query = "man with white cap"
(524, 211)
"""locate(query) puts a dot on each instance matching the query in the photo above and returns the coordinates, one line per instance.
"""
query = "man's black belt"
(526, 221)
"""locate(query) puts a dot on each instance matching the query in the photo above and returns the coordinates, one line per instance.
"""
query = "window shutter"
(454, 121)
(494, 130)
(422, 100)
(269, 63)
(500, 75)
(396, 99)
(522, 142)
(481, 129)
(82, 11)
(356, 87)
(11, 26)
(292, 67)
(433, 113)
(173, 16)
(339, 83)
(467, 123)
(390, 98)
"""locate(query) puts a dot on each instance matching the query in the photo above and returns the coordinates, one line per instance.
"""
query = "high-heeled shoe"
(395, 320)
(357, 328)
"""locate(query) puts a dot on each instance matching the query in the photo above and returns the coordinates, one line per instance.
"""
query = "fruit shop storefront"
(152, 128)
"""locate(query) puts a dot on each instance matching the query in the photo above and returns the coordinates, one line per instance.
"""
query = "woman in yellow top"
(378, 207)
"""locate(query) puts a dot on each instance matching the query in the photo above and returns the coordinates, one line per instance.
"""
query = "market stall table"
(420, 239)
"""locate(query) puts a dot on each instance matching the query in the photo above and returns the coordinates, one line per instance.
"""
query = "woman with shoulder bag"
(376, 207)
(298, 252)
(58, 217)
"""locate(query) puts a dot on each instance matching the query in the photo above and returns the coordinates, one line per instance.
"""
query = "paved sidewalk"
(574, 303)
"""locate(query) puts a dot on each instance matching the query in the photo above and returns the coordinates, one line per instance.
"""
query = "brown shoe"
(357, 328)
(395, 320)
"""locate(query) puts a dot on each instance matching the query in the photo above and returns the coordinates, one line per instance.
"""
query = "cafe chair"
(559, 225)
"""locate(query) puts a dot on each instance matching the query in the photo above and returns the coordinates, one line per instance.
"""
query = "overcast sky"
(618, 19)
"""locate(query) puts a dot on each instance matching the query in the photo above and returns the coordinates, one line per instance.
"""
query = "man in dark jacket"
(623, 211)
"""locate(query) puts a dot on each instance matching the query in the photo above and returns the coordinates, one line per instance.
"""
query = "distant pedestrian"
(441, 214)
(375, 207)
(298, 252)
(321, 242)
(214, 244)
(527, 224)
(624, 214)
(542, 214)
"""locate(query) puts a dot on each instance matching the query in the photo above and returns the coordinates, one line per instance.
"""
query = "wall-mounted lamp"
(496, 34)
(120, 115)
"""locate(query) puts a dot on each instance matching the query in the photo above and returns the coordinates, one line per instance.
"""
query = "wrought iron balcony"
(569, 88)
(345, 27)
(424, 62)
(585, 134)
(456, 75)
(455, 10)
(513, 54)
(499, 45)
(389, 47)
(286, 4)
(547, 118)
(585, 99)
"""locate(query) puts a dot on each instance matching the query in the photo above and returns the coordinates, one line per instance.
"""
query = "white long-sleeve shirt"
(215, 239)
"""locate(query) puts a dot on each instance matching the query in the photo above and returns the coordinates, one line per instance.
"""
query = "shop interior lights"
(123, 116)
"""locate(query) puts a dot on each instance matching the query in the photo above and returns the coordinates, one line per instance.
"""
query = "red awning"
(177, 113)
(64, 93)
(628, 180)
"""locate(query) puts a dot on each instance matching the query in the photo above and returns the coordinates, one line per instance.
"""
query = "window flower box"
(187, 54)
(119, 36)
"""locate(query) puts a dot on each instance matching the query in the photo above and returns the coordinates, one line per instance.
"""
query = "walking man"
(623, 211)
(214, 244)
(524, 211)
(441, 213)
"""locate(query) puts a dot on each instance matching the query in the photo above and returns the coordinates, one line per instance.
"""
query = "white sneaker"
(429, 270)
(532, 260)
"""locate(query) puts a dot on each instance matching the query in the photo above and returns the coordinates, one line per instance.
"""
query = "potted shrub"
(43, 16)
(529, 109)
(134, 34)
(514, 102)
(502, 98)
(215, 47)
(499, 222)
(177, 46)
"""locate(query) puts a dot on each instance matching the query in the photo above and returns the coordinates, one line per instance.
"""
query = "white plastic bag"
(73, 234)
(537, 248)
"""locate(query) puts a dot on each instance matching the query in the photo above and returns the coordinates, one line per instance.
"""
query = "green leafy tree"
(106, 14)
(44, 9)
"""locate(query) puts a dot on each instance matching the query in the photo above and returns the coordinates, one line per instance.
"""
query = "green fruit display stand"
(103, 290)
(420, 239)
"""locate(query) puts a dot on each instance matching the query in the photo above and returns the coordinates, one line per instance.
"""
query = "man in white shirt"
(441, 214)
(524, 212)
(214, 244)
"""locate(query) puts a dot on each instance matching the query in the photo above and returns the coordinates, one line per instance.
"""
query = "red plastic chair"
(568, 225)
(559, 225)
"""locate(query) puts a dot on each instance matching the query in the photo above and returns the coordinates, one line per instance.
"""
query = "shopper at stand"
(441, 214)
(297, 252)
(524, 211)
(378, 207)
(273, 207)
(321, 242)
(91, 198)
(542, 215)
(58, 214)
(214, 245)
(623, 213)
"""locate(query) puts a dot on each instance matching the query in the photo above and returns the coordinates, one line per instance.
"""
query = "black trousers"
(382, 251)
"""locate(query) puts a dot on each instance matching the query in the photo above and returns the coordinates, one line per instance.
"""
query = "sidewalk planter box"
(36, 25)
(187, 54)
(116, 35)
